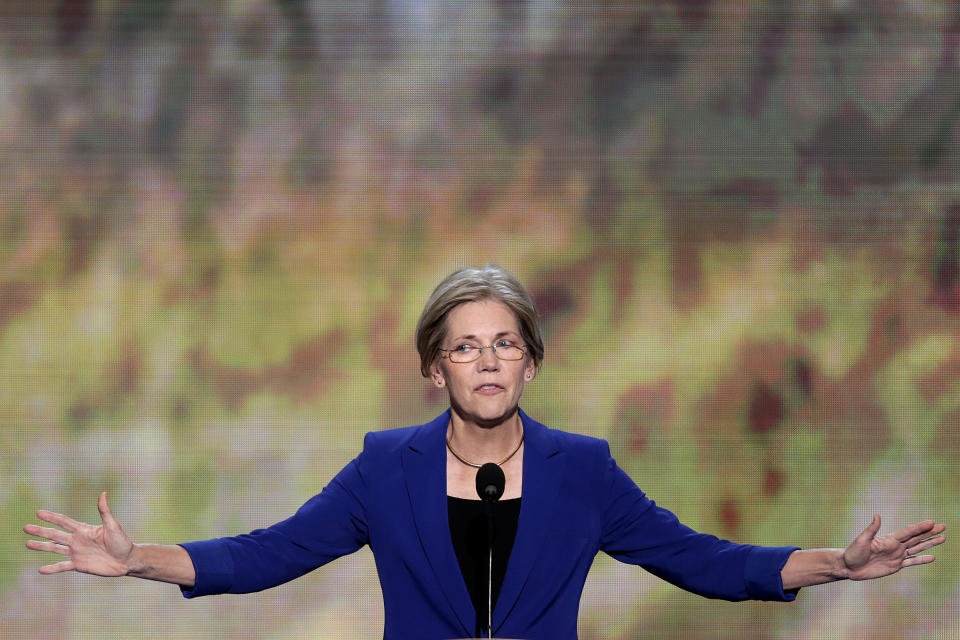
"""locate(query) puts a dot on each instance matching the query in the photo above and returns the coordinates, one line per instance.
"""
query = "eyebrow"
(473, 337)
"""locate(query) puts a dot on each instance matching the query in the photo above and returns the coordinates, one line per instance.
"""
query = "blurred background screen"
(219, 221)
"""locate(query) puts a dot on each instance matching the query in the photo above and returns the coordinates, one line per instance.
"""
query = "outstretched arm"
(867, 557)
(105, 550)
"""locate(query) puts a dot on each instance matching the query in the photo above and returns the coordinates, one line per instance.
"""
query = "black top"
(468, 529)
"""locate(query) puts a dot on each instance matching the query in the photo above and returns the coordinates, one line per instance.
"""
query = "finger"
(919, 529)
(871, 531)
(47, 532)
(105, 514)
(51, 547)
(66, 565)
(926, 535)
(912, 560)
(925, 544)
(59, 519)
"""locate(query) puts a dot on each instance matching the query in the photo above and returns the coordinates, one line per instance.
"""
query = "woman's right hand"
(102, 550)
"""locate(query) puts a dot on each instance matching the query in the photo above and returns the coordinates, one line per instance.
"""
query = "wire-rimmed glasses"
(466, 352)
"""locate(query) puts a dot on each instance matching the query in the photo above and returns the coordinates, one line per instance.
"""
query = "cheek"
(455, 381)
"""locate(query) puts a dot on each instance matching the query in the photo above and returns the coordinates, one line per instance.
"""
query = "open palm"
(869, 556)
(101, 550)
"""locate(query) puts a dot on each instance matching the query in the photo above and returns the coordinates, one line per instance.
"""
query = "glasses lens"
(466, 355)
(511, 352)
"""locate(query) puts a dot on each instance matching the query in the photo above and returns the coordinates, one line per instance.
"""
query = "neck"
(485, 441)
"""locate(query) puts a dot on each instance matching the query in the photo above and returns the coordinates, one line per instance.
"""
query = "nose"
(488, 360)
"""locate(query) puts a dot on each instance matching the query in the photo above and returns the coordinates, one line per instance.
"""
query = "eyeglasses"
(503, 349)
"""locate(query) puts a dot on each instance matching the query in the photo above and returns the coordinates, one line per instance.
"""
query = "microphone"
(490, 485)
(490, 482)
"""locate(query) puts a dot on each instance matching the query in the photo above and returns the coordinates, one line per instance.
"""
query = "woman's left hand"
(869, 556)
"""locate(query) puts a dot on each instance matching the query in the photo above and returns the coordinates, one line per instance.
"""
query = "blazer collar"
(541, 467)
(424, 466)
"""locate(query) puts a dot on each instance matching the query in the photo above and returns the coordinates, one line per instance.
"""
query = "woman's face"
(486, 391)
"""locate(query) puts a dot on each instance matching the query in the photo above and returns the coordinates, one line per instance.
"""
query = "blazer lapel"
(424, 467)
(541, 467)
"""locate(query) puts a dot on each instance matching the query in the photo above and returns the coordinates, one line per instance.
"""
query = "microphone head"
(490, 482)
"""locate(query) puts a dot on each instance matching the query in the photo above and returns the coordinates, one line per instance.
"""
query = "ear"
(436, 375)
(530, 370)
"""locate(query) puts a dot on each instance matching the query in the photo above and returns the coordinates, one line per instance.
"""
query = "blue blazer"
(576, 502)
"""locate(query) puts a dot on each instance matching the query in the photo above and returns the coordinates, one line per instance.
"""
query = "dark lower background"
(219, 222)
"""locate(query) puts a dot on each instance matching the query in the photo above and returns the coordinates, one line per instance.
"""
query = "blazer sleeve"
(637, 531)
(331, 524)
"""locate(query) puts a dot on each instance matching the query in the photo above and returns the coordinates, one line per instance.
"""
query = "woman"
(411, 495)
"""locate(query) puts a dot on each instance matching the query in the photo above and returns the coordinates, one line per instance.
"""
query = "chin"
(488, 416)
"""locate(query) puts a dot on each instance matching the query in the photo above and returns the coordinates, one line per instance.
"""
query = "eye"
(464, 348)
(503, 342)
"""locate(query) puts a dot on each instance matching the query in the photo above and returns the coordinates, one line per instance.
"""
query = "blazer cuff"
(213, 565)
(762, 573)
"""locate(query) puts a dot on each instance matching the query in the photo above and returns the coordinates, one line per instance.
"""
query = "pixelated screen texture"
(219, 222)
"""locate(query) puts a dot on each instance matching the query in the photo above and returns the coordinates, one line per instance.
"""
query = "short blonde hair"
(473, 285)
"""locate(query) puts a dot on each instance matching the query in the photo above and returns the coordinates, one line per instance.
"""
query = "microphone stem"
(490, 570)
(490, 597)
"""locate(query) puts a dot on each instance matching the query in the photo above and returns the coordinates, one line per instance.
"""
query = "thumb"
(872, 529)
(105, 514)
